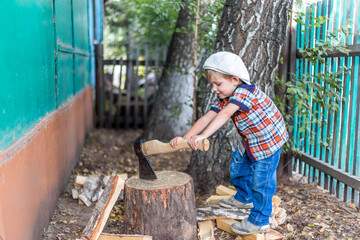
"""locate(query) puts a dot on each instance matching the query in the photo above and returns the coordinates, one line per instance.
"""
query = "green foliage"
(143, 21)
(321, 89)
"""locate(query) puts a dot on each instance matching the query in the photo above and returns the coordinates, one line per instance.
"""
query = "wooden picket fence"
(129, 86)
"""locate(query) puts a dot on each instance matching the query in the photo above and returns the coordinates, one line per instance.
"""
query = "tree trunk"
(255, 30)
(172, 111)
(163, 208)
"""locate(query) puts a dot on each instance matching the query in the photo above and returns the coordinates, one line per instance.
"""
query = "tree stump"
(163, 208)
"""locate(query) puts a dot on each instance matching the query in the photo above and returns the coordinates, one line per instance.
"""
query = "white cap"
(228, 63)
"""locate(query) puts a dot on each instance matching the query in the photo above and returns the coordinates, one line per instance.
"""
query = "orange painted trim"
(35, 169)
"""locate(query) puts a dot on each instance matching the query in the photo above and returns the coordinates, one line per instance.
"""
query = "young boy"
(263, 132)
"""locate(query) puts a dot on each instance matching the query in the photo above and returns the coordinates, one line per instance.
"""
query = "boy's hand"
(194, 140)
(175, 141)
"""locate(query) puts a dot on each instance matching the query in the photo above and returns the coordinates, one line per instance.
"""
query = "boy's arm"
(199, 125)
(219, 120)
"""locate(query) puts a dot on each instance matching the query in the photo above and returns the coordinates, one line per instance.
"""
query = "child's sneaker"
(245, 228)
(233, 203)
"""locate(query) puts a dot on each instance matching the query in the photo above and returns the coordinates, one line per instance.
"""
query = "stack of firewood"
(278, 214)
(213, 215)
(88, 189)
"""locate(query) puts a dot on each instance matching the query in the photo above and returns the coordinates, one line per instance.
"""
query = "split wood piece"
(276, 202)
(80, 180)
(108, 236)
(163, 208)
(274, 235)
(92, 189)
(271, 235)
(214, 212)
(258, 236)
(225, 225)
(222, 190)
(103, 208)
(214, 199)
(206, 230)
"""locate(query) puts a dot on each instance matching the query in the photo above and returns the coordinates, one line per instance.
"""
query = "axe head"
(145, 169)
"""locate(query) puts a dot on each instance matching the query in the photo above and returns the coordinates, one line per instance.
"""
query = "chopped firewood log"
(274, 235)
(123, 176)
(74, 193)
(107, 236)
(92, 186)
(258, 236)
(273, 222)
(103, 208)
(278, 214)
(80, 180)
(206, 230)
(276, 201)
(215, 212)
(281, 216)
(225, 224)
(214, 199)
(222, 190)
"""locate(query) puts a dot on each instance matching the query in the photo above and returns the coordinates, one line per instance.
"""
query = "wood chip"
(206, 230)
(80, 180)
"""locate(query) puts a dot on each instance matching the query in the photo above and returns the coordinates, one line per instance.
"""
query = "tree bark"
(172, 112)
(255, 30)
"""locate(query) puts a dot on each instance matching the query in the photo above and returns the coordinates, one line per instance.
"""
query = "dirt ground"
(311, 212)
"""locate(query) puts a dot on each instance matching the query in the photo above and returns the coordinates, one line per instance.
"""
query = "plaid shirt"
(258, 121)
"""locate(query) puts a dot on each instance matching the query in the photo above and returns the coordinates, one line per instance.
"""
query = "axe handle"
(155, 146)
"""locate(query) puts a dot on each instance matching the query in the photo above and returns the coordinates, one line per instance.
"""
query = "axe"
(143, 149)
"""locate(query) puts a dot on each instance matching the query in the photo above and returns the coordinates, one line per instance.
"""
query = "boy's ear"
(236, 80)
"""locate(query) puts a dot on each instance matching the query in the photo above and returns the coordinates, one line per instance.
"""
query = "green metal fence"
(335, 167)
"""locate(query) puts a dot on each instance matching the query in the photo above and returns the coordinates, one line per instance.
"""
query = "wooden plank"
(136, 79)
(119, 99)
(348, 179)
(103, 208)
(206, 230)
(108, 236)
(111, 101)
(129, 78)
(222, 190)
(145, 109)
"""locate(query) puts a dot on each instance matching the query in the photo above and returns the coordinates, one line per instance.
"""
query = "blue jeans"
(255, 181)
